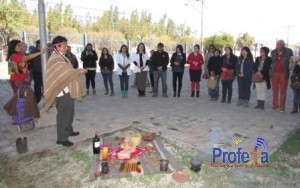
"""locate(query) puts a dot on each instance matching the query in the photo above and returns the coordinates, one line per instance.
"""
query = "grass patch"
(136, 122)
(241, 136)
(173, 129)
(156, 124)
(79, 156)
(291, 145)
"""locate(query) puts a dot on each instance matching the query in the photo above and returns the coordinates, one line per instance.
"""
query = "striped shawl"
(59, 76)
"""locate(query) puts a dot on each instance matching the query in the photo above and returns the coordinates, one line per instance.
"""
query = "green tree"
(171, 28)
(133, 27)
(160, 27)
(55, 18)
(245, 40)
(145, 25)
(12, 15)
(219, 40)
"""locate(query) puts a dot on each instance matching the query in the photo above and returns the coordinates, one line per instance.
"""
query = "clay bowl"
(149, 137)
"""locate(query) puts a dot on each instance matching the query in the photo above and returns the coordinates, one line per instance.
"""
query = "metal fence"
(112, 45)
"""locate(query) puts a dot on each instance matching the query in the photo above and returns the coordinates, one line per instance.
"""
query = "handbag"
(212, 82)
(295, 81)
(205, 76)
(227, 75)
(256, 78)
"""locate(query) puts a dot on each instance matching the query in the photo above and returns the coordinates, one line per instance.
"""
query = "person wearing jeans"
(262, 67)
(243, 69)
(214, 70)
(123, 60)
(160, 61)
(280, 74)
(89, 58)
(195, 60)
(178, 61)
(106, 64)
(228, 74)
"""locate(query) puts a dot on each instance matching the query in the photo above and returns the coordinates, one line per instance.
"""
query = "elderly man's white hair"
(281, 42)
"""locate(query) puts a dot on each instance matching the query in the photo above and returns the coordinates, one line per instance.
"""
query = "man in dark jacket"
(160, 61)
(72, 58)
(37, 73)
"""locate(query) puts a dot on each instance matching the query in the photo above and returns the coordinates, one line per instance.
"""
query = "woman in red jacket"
(195, 60)
(19, 73)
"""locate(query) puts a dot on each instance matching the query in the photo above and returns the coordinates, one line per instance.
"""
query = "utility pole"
(201, 47)
(43, 37)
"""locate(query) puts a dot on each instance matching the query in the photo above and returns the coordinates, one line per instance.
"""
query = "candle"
(105, 153)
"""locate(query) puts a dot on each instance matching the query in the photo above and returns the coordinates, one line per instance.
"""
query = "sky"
(266, 20)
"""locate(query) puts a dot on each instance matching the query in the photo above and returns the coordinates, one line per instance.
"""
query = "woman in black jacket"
(228, 74)
(262, 67)
(107, 66)
(89, 58)
(178, 61)
(244, 70)
(214, 69)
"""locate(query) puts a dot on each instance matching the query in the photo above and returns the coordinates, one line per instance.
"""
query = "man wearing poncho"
(63, 85)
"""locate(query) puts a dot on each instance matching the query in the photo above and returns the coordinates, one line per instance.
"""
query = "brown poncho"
(60, 74)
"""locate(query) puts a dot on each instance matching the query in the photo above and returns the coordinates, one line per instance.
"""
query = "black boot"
(174, 94)
(178, 94)
(198, 94)
(295, 108)
(193, 94)
(258, 104)
(262, 105)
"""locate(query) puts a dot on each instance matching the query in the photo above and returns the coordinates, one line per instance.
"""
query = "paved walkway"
(194, 122)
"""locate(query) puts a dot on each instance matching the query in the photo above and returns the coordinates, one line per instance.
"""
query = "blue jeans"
(163, 75)
(124, 81)
(296, 95)
(107, 77)
(244, 85)
(214, 93)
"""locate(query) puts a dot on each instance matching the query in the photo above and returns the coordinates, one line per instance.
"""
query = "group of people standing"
(265, 72)
(64, 83)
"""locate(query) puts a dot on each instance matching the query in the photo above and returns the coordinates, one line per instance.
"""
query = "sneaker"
(106, 93)
(165, 95)
(154, 95)
(228, 101)
(246, 103)
(112, 94)
(94, 92)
